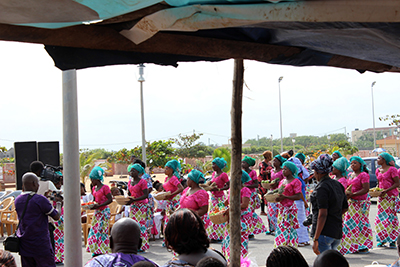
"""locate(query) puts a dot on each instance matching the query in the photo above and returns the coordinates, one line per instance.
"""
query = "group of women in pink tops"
(283, 215)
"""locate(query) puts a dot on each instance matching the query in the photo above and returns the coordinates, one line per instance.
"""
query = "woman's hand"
(383, 192)
(95, 206)
(315, 247)
(280, 198)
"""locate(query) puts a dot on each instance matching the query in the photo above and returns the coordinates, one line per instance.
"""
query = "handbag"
(12, 242)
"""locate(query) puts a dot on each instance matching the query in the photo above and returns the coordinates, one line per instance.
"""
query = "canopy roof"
(355, 34)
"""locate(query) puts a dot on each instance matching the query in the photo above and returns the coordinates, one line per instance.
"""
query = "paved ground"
(261, 246)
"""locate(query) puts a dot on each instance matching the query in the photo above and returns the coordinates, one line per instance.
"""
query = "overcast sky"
(192, 97)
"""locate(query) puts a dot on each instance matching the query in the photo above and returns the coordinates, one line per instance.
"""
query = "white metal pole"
(280, 111)
(72, 205)
(141, 80)
(373, 112)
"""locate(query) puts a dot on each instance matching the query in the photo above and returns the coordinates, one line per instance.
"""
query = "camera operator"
(47, 189)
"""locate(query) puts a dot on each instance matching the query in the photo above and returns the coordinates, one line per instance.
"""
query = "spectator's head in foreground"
(143, 264)
(284, 256)
(330, 258)
(120, 241)
(210, 262)
(185, 233)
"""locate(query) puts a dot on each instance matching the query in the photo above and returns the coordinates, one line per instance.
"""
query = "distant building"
(357, 133)
(8, 154)
(293, 135)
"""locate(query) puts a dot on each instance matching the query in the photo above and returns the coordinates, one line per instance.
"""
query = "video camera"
(49, 174)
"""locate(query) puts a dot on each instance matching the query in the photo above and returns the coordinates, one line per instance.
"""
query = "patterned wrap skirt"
(245, 221)
(98, 239)
(357, 232)
(272, 216)
(59, 240)
(139, 213)
(215, 231)
(256, 226)
(386, 221)
(287, 225)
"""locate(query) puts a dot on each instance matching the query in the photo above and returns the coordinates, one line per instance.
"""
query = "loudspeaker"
(49, 153)
(25, 153)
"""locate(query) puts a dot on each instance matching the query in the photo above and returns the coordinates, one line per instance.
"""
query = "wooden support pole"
(236, 168)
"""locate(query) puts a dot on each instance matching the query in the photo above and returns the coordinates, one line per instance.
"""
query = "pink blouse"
(101, 195)
(195, 201)
(244, 192)
(292, 188)
(137, 190)
(386, 180)
(171, 185)
(220, 181)
(344, 182)
(357, 182)
(253, 176)
(275, 175)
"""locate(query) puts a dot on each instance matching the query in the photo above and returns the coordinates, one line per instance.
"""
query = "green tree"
(87, 160)
(225, 153)
(366, 141)
(188, 148)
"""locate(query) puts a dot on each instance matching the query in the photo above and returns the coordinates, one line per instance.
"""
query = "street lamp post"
(141, 80)
(373, 112)
(280, 110)
(293, 140)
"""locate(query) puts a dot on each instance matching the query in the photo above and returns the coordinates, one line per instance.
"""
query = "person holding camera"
(328, 202)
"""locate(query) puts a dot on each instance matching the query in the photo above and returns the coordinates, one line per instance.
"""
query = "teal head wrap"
(196, 176)
(361, 161)
(342, 164)
(281, 159)
(245, 177)
(137, 167)
(59, 173)
(220, 162)
(97, 173)
(292, 167)
(249, 160)
(175, 166)
(301, 156)
(388, 158)
(337, 153)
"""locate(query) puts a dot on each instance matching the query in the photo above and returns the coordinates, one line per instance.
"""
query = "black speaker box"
(49, 153)
(25, 153)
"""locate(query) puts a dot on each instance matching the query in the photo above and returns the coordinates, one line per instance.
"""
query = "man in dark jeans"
(33, 232)
(328, 202)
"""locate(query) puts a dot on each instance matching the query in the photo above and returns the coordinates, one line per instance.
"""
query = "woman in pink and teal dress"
(139, 192)
(357, 231)
(216, 231)
(339, 170)
(245, 220)
(286, 233)
(172, 183)
(386, 221)
(276, 175)
(257, 225)
(194, 197)
(98, 241)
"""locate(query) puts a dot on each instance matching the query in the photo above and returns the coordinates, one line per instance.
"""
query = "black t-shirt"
(329, 194)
